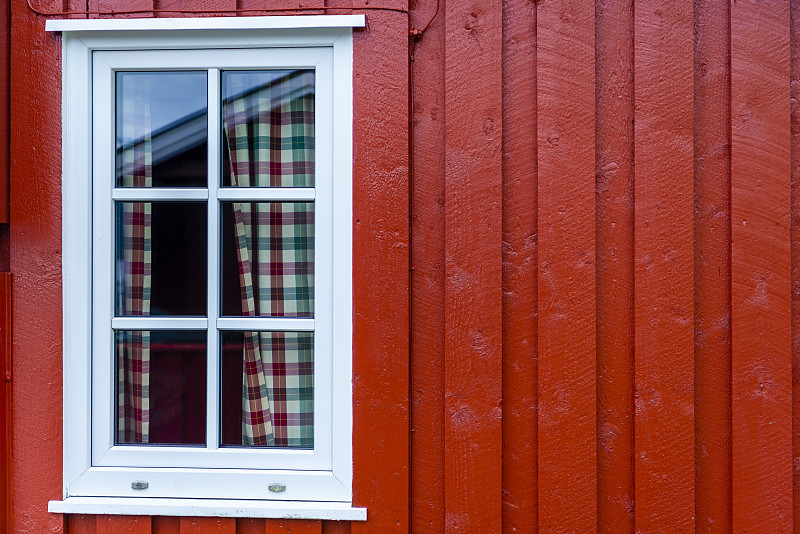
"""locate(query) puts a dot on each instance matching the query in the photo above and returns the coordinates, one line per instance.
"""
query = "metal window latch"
(139, 485)
(277, 488)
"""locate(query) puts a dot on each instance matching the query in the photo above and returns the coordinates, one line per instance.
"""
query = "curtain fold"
(135, 163)
(269, 128)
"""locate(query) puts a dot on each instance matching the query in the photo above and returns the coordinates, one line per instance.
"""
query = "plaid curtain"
(135, 165)
(269, 130)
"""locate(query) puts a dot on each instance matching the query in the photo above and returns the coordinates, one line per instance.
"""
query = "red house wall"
(599, 233)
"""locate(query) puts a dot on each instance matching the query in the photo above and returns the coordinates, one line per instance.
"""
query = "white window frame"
(98, 475)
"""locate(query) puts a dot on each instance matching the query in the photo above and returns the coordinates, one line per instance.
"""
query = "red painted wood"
(5, 41)
(566, 257)
(36, 264)
(196, 5)
(615, 267)
(296, 526)
(109, 6)
(795, 256)
(251, 526)
(520, 490)
(712, 268)
(473, 266)
(335, 527)
(116, 524)
(81, 524)
(6, 490)
(166, 525)
(664, 254)
(208, 525)
(427, 281)
(380, 275)
(760, 268)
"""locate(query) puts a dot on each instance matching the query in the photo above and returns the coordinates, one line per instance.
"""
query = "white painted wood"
(265, 194)
(214, 246)
(222, 458)
(150, 194)
(76, 257)
(275, 324)
(342, 258)
(102, 173)
(208, 508)
(159, 323)
(197, 483)
(210, 23)
(324, 474)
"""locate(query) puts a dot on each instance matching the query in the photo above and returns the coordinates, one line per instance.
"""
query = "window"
(207, 266)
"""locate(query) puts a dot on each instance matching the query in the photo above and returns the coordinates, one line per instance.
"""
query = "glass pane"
(162, 129)
(161, 264)
(161, 387)
(267, 389)
(268, 259)
(268, 128)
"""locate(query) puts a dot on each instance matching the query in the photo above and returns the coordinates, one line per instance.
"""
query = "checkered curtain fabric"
(133, 347)
(269, 130)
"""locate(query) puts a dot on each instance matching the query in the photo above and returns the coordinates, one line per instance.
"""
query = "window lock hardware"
(139, 485)
(277, 488)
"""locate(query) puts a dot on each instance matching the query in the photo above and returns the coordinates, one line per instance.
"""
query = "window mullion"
(214, 169)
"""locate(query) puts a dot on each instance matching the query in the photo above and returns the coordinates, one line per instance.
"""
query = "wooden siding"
(603, 235)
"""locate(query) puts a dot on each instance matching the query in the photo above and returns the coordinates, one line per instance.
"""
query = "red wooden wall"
(601, 233)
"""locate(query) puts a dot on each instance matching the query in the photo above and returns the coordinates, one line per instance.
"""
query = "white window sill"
(208, 508)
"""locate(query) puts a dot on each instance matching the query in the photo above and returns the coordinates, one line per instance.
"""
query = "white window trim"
(321, 491)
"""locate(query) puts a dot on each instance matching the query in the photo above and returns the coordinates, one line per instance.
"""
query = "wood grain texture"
(208, 525)
(615, 266)
(5, 42)
(795, 255)
(81, 524)
(167, 525)
(335, 527)
(380, 274)
(427, 279)
(473, 267)
(116, 524)
(566, 275)
(761, 268)
(6, 489)
(664, 256)
(519, 453)
(712, 291)
(295, 526)
(36, 263)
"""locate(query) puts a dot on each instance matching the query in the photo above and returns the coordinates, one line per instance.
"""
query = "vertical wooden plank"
(129, 524)
(335, 527)
(167, 525)
(247, 525)
(795, 255)
(5, 43)
(712, 294)
(296, 526)
(760, 267)
(566, 275)
(427, 278)
(664, 254)
(81, 524)
(6, 489)
(36, 263)
(473, 266)
(615, 266)
(380, 274)
(208, 525)
(519, 342)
